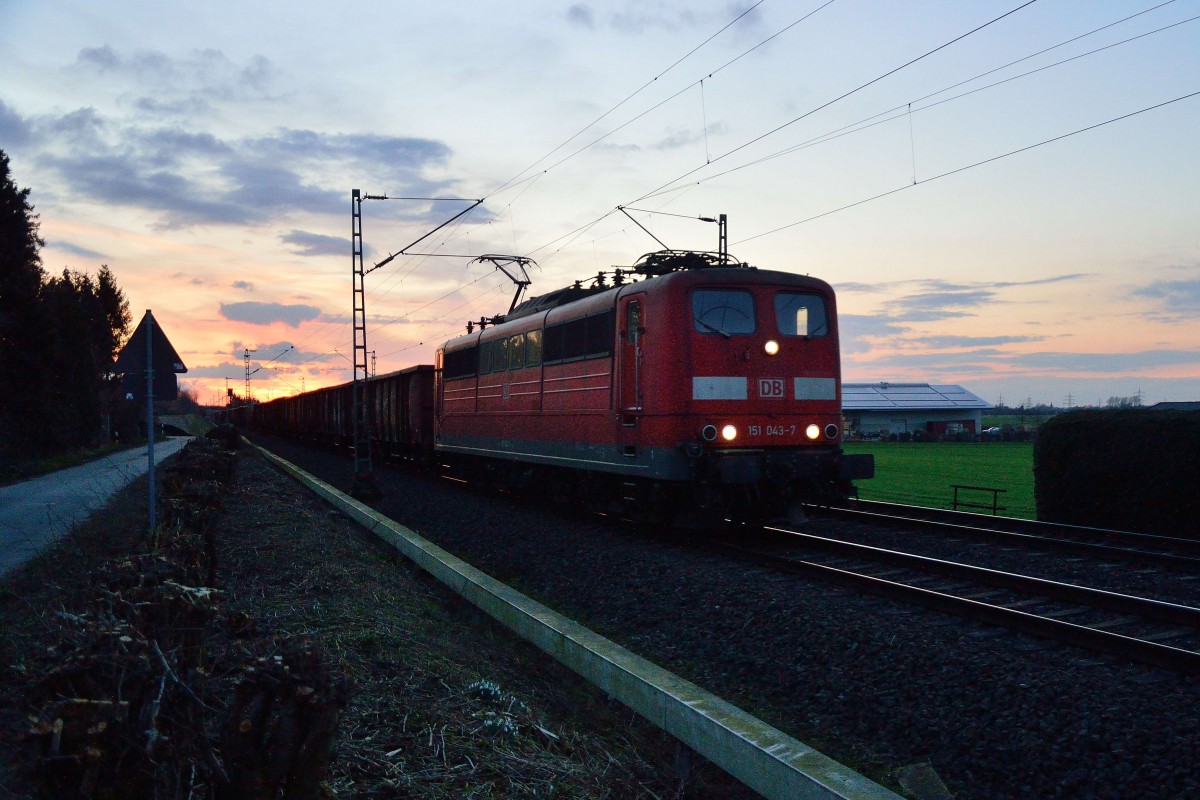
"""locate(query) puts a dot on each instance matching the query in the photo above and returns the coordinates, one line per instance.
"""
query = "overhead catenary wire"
(286, 350)
(451, 293)
(574, 235)
(518, 177)
(840, 97)
(880, 118)
(687, 88)
(969, 166)
(568, 239)
(515, 180)
(760, 137)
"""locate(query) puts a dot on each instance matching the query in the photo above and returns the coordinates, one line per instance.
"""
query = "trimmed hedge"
(1128, 469)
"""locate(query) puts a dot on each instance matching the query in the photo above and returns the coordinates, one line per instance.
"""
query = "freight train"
(688, 389)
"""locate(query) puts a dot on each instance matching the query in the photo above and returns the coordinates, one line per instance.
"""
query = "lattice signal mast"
(364, 478)
(365, 485)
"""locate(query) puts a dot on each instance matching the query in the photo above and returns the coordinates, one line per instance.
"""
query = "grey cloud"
(937, 305)
(226, 369)
(678, 139)
(263, 185)
(973, 362)
(849, 287)
(856, 329)
(235, 371)
(685, 138)
(988, 359)
(183, 106)
(316, 244)
(1072, 276)
(122, 179)
(14, 129)
(1174, 297)
(608, 147)
(83, 126)
(869, 325)
(938, 300)
(644, 16)
(74, 248)
(103, 59)
(391, 159)
(941, 285)
(933, 300)
(949, 342)
(925, 286)
(182, 84)
(166, 146)
(1111, 362)
(268, 313)
(581, 15)
(272, 351)
(289, 143)
(283, 353)
(244, 181)
(928, 314)
(245, 286)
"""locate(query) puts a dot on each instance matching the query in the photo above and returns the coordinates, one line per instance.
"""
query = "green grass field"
(922, 473)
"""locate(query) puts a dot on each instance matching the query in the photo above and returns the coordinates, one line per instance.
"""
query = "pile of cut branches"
(157, 690)
(445, 704)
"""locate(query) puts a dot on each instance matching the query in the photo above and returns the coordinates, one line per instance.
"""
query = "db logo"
(770, 387)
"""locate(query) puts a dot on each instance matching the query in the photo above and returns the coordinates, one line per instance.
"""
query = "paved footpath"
(36, 513)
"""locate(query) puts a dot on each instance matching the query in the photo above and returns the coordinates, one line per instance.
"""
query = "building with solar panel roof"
(919, 410)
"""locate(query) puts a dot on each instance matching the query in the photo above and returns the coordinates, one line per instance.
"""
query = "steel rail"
(939, 518)
(1032, 526)
(1157, 610)
(1129, 647)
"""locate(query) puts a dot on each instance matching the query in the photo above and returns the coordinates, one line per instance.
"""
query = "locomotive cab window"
(533, 348)
(485, 359)
(516, 351)
(492, 357)
(588, 337)
(461, 363)
(801, 314)
(723, 311)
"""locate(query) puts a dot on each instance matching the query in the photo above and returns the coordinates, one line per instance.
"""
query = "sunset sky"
(1006, 195)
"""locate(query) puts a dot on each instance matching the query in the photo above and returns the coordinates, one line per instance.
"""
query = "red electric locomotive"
(706, 390)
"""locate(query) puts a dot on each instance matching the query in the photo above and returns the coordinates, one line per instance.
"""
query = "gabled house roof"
(915, 396)
(1178, 405)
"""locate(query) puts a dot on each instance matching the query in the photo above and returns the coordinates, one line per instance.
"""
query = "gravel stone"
(871, 683)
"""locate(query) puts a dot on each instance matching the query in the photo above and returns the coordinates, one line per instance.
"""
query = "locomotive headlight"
(772, 347)
(812, 431)
(729, 433)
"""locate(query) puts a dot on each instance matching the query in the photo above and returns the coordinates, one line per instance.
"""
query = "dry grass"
(445, 703)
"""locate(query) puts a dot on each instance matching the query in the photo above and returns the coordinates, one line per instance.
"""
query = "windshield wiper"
(704, 324)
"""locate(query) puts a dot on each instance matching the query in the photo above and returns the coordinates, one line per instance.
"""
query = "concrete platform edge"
(767, 760)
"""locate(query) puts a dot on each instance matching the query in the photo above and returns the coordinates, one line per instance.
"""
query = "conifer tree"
(22, 352)
(58, 339)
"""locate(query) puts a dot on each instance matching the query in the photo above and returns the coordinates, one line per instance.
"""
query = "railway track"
(1163, 552)
(881, 681)
(1129, 627)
